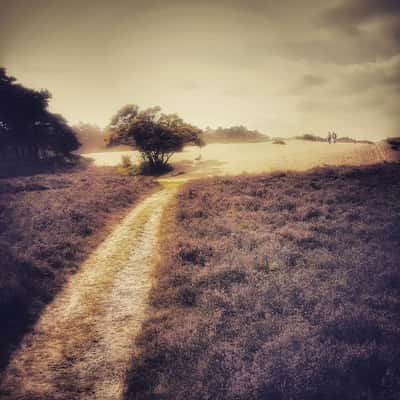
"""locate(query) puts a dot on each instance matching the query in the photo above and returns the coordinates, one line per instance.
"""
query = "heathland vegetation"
(280, 286)
(234, 134)
(49, 223)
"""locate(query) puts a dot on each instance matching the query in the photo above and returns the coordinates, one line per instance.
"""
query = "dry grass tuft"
(279, 286)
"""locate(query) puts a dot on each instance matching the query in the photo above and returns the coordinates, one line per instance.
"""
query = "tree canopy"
(156, 135)
(27, 129)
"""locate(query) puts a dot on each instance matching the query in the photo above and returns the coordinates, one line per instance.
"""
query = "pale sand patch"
(238, 158)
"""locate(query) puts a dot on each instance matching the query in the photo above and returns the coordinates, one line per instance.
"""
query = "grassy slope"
(277, 287)
(48, 224)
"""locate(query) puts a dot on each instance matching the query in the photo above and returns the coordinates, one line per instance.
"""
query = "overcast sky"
(282, 67)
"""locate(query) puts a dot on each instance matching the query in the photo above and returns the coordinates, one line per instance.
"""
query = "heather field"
(49, 223)
(278, 286)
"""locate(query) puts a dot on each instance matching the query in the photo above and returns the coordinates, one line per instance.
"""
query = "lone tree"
(156, 135)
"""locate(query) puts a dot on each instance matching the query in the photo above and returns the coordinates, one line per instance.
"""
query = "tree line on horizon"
(30, 132)
(233, 134)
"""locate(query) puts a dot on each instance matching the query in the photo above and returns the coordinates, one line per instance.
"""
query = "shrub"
(126, 162)
(278, 141)
(394, 143)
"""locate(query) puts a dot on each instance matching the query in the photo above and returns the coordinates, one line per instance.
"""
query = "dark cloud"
(384, 77)
(351, 32)
(336, 50)
(307, 82)
(354, 17)
(351, 14)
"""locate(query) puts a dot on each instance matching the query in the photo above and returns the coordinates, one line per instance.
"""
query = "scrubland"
(278, 286)
(49, 223)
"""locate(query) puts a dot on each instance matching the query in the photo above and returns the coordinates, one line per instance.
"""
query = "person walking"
(329, 137)
(334, 137)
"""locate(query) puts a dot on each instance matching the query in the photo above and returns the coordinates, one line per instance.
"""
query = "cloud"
(307, 82)
(376, 20)
(350, 32)
(384, 76)
(351, 14)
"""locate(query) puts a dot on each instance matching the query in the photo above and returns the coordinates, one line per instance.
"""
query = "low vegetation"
(348, 139)
(340, 139)
(234, 134)
(394, 143)
(311, 138)
(278, 141)
(283, 286)
(49, 223)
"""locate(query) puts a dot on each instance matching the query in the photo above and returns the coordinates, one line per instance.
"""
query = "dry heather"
(49, 223)
(282, 286)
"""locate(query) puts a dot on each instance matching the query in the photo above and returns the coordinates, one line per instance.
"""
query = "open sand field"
(250, 158)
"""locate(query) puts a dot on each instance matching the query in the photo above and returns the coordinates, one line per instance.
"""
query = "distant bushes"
(343, 139)
(310, 137)
(347, 139)
(394, 143)
(282, 286)
(234, 134)
(278, 141)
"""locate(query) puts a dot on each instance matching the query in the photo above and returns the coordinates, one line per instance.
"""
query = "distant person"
(329, 137)
(334, 137)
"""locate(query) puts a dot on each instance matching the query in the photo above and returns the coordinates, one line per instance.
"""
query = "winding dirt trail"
(81, 346)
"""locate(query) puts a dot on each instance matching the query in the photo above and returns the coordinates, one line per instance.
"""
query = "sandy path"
(81, 346)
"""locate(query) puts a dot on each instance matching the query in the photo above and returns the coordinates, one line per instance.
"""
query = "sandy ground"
(81, 346)
(234, 159)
